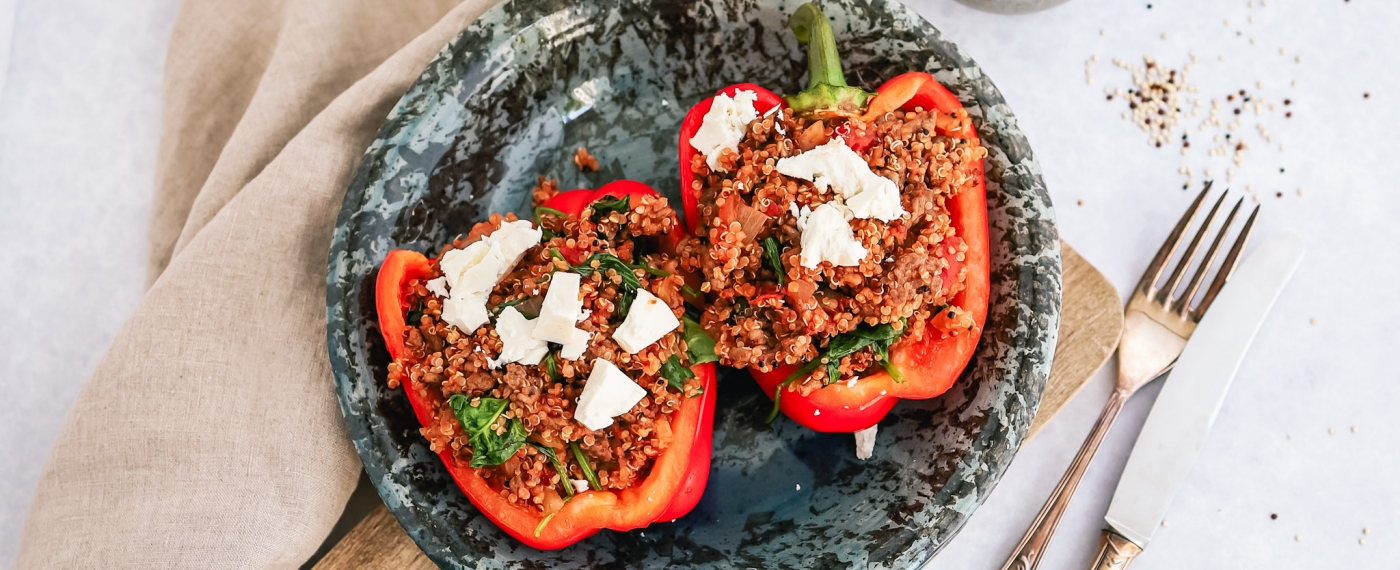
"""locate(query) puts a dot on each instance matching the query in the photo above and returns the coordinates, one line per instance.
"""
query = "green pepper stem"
(827, 93)
(810, 26)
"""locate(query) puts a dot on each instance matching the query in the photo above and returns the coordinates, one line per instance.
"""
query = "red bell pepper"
(931, 364)
(677, 479)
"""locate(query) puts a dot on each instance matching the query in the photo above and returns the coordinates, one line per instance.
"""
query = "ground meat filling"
(444, 361)
(904, 281)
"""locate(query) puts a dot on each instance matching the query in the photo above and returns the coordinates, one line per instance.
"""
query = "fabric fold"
(209, 435)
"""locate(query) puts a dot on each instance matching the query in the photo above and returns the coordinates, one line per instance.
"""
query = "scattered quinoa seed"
(1331, 431)
(1366, 530)
(1361, 541)
(1273, 516)
(1312, 321)
(1297, 538)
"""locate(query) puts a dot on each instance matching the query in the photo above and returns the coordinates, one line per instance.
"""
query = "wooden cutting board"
(1091, 318)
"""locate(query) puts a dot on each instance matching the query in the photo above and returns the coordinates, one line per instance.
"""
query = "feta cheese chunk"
(836, 167)
(580, 485)
(560, 310)
(573, 349)
(827, 236)
(465, 313)
(647, 321)
(518, 343)
(437, 286)
(608, 393)
(865, 442)
(724, 125)
(880, 203)
(472, 272)
(490, 258)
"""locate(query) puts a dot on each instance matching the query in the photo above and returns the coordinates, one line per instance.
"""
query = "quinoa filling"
(836, 321)
(515, 423)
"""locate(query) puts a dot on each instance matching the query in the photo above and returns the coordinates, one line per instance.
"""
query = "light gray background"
(79, 116)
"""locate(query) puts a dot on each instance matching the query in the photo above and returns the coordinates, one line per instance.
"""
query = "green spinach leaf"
(608, 204)
(773, 253)
(559, 468)
(878, 338)
(551, 366)
(496, 310)
(796, 375)
(676, 374)
(488, 447)
(608, 261)
(585, 467)
(700, 346)
(539, 210)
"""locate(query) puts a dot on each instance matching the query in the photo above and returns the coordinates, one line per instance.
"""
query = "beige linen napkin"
(209, 435)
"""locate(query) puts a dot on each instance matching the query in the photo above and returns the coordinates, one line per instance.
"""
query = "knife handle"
(1115, 552)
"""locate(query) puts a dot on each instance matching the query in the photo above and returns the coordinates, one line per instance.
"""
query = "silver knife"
(1190, 399)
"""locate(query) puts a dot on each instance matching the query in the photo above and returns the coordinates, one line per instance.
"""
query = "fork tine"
(1190, 252)
(1154, 269)
(1183, 304)
(1227, 268)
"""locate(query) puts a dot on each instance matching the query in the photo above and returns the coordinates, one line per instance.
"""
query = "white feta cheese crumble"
(724, 125)
(558, 314)
(880, 203)
(471, 273)
(573, 349)
(836, 167)
(466, 312)
(827, 236)
(518, 343)
(608, 393)
(865, 442)
(437, 286)
(580, 485)
(647, 321)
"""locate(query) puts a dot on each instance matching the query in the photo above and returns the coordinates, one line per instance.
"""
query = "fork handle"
(1031, 550)
(1116, 552)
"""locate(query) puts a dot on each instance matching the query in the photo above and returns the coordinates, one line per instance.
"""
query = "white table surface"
(79, 118)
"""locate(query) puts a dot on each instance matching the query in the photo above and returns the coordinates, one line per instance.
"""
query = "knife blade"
(1186, 407)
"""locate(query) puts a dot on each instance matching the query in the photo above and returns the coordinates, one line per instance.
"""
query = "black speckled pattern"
(511, 98)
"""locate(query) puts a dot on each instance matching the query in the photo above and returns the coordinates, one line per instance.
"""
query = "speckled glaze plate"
(511, 98)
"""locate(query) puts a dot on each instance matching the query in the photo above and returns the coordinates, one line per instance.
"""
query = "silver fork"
(1156, 326)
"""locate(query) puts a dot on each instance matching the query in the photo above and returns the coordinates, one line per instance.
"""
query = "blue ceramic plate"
(511, 98)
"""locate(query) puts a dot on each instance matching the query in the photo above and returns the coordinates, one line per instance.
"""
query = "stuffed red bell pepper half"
(549, 366)
(844, 248)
